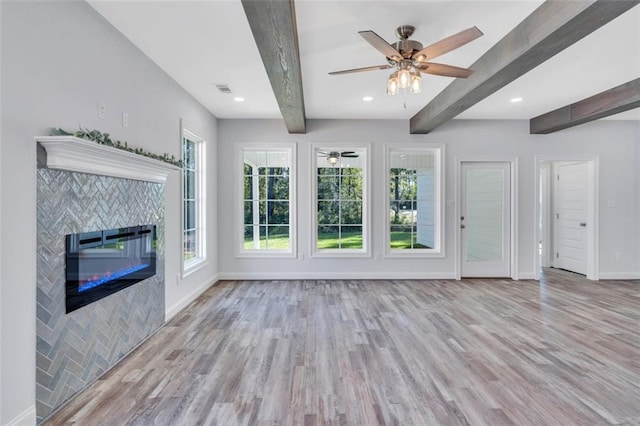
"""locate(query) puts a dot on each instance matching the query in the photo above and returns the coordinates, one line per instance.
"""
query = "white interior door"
(485, 220)
(571, 216)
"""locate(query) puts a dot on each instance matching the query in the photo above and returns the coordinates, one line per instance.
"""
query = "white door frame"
(513, 161)
(593, 167)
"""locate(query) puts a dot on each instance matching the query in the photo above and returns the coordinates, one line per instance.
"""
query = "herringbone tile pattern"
(74, 349)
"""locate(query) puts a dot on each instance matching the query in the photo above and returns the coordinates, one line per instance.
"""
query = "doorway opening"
(566, 215)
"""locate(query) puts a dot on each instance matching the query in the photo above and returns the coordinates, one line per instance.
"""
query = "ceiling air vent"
(223, 88)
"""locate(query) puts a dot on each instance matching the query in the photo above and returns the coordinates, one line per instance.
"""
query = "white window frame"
(365, 251)
(438, 151)
(240, 251)
(197, 262)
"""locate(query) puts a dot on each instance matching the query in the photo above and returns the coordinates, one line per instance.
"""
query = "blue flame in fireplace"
(92, 283)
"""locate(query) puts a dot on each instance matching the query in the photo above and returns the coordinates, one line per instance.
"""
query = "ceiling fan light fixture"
(333, 160)
(416, 82)
(404, 78)
(392, 84)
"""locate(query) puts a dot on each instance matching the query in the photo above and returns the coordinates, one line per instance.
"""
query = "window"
(413, 194)
(193, 179)
(267, 197)
(340, 201)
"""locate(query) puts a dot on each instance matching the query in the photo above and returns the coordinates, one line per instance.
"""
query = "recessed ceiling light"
(367, 98)
(516, 100)
(238, 99)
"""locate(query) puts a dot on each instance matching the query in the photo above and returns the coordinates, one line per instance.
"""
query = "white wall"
(615, 142)
(59, 59)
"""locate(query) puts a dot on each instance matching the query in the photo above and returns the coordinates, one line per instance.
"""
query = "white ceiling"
(203, 43)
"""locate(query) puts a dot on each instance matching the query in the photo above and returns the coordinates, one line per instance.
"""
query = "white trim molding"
(172, 311)
(26, 418)
(80, 155)
(620, 276)
(360, 275)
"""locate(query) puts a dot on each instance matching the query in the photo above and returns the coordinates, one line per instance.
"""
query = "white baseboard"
(185, 301)
(26, 418)
(619, 276)
(526, 276)
(336, 276)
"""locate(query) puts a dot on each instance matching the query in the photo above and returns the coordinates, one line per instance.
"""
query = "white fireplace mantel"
(80, 155)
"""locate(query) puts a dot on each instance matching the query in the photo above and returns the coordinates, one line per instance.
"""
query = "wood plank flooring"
(435, 352)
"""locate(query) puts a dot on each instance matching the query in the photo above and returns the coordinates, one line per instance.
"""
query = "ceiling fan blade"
(379, 43)
(347, 152)
(445, 70)
(373, 68)
(447, 44)
(350, 155)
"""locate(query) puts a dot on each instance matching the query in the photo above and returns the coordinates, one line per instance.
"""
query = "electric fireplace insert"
(104, 262)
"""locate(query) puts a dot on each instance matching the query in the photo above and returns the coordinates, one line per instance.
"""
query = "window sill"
(266, 255)
(341, 253)
(193, 266)
(411, 253)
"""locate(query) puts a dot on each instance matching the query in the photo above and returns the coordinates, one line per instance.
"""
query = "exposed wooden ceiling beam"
(273, 24)
(554, 26)
(613, 101)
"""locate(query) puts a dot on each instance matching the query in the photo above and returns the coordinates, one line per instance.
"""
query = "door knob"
(583, 224)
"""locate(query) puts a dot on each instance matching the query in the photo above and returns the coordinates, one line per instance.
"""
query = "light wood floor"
(563, 351)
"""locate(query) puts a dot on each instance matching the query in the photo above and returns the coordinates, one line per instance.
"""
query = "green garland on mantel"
(104, 139)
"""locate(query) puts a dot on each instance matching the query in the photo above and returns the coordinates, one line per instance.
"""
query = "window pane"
(351, 237)
(189, 245)
(339, 189)
(327, 170)
(189, 154)
(412, 196)
(193, 221)
(262, 187)
(328, 187)
(351, 212)
(189, 215)
(401, 236)
(328, 237)
(262, 209)
(248, 187)
(278, 238)
(270, 190)
(394, 212)
(277, 159)
(424, 237)
(351, 184)
(248, 212)
(190, 184)
(248, 237)
(328, 212)
(278, 188)
(278, 212)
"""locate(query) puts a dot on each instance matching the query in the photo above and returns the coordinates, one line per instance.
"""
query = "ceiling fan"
(410, 58)
(334, 156)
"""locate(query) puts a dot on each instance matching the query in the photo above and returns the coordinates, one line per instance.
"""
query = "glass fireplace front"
(104, 262)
